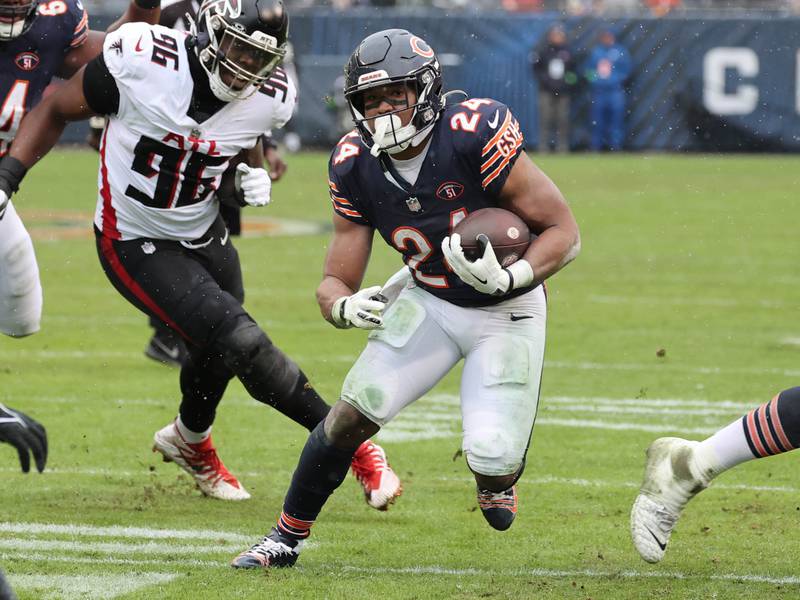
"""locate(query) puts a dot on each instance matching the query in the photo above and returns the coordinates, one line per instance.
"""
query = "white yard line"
(87, 586)
(43, 558)
(613, 426)
(98, 586)
(633, 574)
(118, 531)
(21, 581)
(600, 483)
(123, 548)
(33, 528)
(659, 402)
(346, 358)
(666, 366)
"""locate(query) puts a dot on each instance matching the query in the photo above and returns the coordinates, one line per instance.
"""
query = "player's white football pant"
(424, 337)
(20, 289)
(669, 483)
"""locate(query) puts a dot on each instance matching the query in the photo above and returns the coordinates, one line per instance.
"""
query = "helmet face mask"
(240, 43)
(391, 57)
(16, 17)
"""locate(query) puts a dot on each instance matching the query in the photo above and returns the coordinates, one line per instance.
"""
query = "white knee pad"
(489, 452)
(20, 289)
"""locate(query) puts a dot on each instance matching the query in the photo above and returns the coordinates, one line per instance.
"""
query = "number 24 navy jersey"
(473, 147)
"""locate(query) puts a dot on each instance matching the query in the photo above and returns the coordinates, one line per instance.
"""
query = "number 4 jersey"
(29, 62)
(472, 150)
(168, 140)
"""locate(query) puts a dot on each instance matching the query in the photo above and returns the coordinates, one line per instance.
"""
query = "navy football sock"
(321, 469)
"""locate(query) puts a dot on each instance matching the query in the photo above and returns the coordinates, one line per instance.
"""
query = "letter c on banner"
(741, 101)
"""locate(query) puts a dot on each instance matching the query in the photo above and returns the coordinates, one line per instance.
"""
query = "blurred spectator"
(659, 8)
(554, 69)
(337, 104)
(607, 69)
(522, 5)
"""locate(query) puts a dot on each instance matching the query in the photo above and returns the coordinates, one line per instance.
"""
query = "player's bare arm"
(43, 126)
(531, 194)
(345, 263)
(145, 11)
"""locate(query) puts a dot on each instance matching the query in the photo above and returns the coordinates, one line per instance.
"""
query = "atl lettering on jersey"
(159, 166)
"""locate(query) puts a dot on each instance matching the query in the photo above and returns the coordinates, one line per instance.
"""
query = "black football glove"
(26, 435)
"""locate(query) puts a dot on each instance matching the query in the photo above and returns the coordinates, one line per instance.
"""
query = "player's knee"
(371, 396)
(240, 342)
(246, 349)
(489, 452)
(348, 427)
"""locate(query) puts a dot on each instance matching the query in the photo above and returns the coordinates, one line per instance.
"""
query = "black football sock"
(203, 381)
(321, 469)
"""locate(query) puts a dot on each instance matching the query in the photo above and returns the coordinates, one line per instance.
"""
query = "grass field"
(693, 255)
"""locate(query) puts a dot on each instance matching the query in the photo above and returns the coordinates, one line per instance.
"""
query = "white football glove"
(485, 274)
(3, 203)
(363, 309)
(254, 183)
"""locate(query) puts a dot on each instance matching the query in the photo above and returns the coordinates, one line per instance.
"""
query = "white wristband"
(337, 313)
(521, 273)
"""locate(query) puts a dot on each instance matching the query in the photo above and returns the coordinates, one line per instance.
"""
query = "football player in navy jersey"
(414, 168)
(38, 40)
(180, 108)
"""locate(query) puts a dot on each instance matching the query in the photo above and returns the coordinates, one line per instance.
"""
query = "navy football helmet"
(239, 43)
(387, 57)
(16, 17)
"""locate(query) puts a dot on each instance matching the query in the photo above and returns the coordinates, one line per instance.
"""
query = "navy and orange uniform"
(29, 62)
(472, 149)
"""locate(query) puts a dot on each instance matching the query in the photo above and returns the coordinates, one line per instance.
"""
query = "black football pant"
(196, 289)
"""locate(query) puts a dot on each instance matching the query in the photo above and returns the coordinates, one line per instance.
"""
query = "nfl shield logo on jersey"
(413, 204)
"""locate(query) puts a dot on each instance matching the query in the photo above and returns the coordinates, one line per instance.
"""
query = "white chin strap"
(389, 136)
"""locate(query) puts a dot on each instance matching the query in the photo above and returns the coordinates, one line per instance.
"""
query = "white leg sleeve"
(500, 385)
(20, 289)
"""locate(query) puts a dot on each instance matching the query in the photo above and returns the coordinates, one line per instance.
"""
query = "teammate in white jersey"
(180, 107)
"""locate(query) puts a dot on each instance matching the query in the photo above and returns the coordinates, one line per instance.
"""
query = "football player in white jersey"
(180, 108)
(166, 346)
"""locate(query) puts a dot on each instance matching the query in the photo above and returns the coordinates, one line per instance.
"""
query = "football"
(507, 232)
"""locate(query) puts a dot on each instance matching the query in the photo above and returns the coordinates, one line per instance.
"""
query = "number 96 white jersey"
(159, 167)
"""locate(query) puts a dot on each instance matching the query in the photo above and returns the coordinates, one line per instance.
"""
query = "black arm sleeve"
(99, 87)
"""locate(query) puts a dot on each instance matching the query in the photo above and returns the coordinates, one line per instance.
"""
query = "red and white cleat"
(201, 462)
(381, 485)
